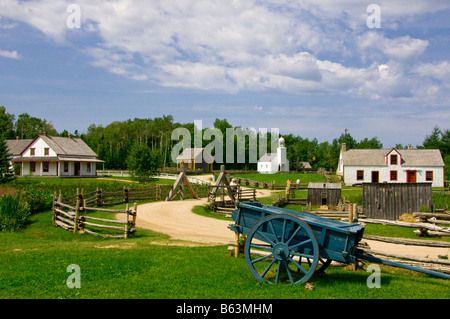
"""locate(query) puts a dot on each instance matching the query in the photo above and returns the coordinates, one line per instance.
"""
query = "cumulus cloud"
(373, 45)
(9, 54)
(251, 45)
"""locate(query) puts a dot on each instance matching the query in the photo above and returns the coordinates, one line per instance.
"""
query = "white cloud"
(438, 70)
(251, 45)
(9, 54)
(373, 45)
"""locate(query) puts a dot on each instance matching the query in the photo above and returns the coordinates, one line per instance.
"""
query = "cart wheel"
(275, 246)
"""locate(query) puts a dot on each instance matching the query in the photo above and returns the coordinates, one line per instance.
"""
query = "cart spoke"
(267, 269)
(293, 235)
(273, 231)
(297, 265)
(303, 270)
(278, 272)
(288, 271)
(284, 230)
(303, 255)
(261, 247)
(262, 258)
(300, 244)
(266, 238)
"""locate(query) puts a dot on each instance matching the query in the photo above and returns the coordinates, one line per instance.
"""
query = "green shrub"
(14, 214)
(38, 199)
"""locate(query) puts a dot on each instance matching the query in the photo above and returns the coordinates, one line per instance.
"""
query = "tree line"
(117, 142)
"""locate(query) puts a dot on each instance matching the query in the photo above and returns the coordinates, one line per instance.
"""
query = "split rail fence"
(72, 213)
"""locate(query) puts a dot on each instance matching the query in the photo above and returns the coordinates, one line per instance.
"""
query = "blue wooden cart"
(288, 246)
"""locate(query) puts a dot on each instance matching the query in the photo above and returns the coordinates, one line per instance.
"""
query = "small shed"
(390, 201)
(195, 159)
(324, 194)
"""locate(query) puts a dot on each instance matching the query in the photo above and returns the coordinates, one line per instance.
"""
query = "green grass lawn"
(34, 265)
(150, 265)
(281, 178)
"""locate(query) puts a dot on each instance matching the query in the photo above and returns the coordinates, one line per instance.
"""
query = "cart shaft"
(361, 255)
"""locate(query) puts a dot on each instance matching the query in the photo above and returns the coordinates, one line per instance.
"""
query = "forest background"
(115, 142)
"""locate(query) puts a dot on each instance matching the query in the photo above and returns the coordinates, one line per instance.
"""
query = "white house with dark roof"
(53, 156)
(359, 166)
(271, 163)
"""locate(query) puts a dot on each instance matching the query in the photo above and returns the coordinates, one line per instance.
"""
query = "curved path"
(176, 219)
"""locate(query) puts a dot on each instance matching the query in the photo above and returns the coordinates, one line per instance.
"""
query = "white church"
(274, 162)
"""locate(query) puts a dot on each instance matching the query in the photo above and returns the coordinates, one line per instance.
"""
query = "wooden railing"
(71, 213)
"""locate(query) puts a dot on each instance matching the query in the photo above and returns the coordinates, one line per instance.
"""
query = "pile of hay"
(407, 218)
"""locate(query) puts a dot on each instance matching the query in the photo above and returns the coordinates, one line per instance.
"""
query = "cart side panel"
(336, 245)
(245, 219)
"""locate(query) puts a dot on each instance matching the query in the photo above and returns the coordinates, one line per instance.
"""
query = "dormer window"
(394, 159)
(46, 151)
(32, 151)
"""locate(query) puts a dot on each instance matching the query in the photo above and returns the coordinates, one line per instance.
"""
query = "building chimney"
(45, 133)
(17, 138)
(410, 147)
(70, 135)
(344, 147)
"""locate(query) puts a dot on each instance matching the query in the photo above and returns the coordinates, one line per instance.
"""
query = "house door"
(76, 170)
(375, 177)
(411, 176)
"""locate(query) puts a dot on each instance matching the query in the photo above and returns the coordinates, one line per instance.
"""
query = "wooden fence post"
(77, 212)
(236, 245)
(99, 197)
(127, 212)
(53, 208)
(135, 215)
(350, 213)
(125, 194)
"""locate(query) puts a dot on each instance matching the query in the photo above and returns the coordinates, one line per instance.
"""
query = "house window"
(45, 167)
(88, 167)
(46, 151)
(32, 151)
(429, 176)
(32, 167)
(359, 175)
(393, 175)
(394, 160)
(66, 167)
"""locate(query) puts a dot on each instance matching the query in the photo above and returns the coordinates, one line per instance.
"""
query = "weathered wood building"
(324, 194)
(390, 201)
(195, 159)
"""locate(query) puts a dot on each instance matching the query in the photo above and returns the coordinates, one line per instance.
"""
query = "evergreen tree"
(143, 162)
(6, 173)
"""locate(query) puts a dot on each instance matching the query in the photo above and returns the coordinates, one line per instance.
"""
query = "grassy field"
(152, 266)
(281, 178)
(34, 265)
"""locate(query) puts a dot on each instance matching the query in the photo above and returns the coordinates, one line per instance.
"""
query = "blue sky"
(311, 68)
